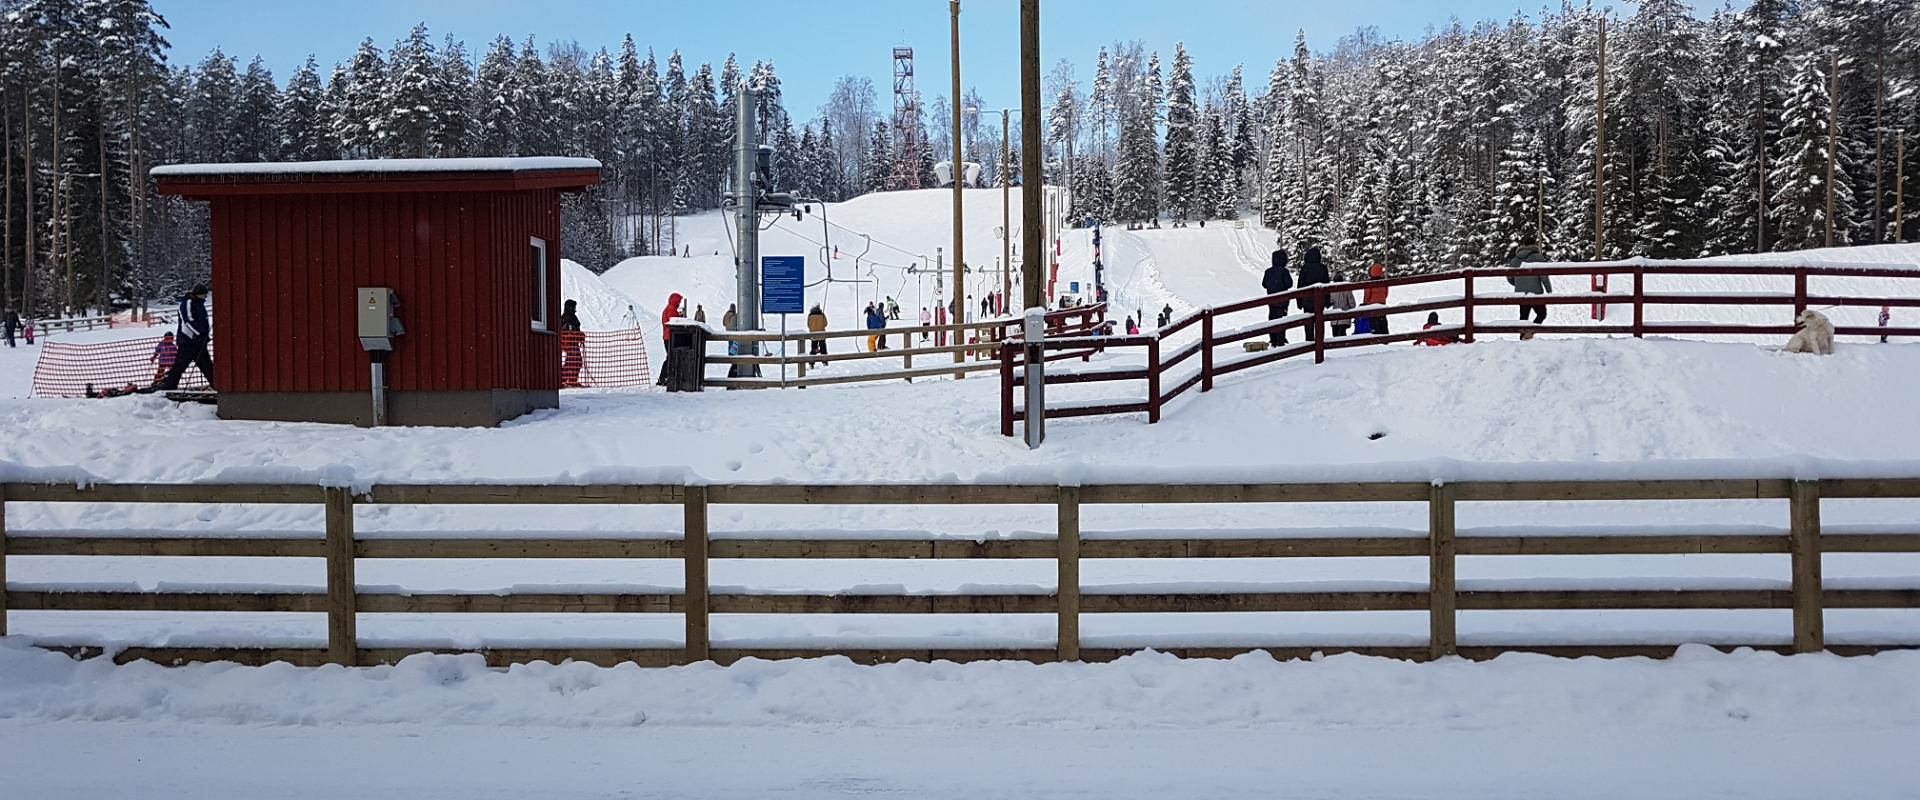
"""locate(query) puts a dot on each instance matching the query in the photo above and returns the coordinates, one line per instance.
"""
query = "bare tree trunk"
(56, 248)
(28, 281)
(1833, 106)
(6, 212)
(101, 293)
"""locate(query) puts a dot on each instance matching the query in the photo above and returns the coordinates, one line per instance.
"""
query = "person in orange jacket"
(1375, 296)
(676, 307)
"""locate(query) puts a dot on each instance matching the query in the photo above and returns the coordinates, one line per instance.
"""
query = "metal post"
(379, 392)
(747, 221)
(1032, 245)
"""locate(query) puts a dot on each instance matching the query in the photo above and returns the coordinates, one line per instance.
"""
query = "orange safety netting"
(66, 370)
(603, 360)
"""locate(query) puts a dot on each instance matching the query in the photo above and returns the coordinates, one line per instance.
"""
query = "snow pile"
(601, 307)
(1698, 687)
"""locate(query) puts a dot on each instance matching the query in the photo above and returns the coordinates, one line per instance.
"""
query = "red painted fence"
(1165, 382)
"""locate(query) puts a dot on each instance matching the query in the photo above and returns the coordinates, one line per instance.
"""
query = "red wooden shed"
(469, 246)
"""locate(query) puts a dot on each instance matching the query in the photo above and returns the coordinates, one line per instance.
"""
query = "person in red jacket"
(1375, 296)
(676, 307)
(1433, 321)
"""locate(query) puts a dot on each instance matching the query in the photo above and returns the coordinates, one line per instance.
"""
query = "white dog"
(1815, 334)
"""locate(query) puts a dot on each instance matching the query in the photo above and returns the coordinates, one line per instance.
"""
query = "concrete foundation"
(485, 408)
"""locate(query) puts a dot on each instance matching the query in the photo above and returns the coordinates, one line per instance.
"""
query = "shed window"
(537, 254)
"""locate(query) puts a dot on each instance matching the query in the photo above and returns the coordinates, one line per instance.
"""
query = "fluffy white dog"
(1815, 334)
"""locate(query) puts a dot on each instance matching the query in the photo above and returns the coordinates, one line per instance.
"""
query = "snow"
(1701, 724)
(377, 166)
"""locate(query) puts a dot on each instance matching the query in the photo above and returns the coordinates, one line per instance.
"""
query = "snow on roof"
(379, 166)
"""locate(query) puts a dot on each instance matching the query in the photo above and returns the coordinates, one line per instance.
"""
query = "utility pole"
(746, 194)
(1833, 99)
(1006, 214)
(1031, 243)
(1600, 153)
(959, 175)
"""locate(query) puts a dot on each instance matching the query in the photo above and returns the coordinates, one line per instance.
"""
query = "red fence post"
(1206, 349)
(1319, 326)
(1639, 302)
(1153, 380)
(1006, 387)
(1469, 306)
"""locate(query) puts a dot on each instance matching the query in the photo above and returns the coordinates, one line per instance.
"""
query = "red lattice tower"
(906, 123)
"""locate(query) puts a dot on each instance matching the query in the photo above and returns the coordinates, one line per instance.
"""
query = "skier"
(1341, 300)
(876, 321)
(164, 354)
(893, 309)
(926, 319)
(1277, 280)
(1375, 296)
(1529, 253)
(1312, 273)
(9, 323)
(570, 342)
(1886, 316)
(195, 333)
(817, 323)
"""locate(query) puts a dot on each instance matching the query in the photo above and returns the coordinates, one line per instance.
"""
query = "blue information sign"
(783, 281)
(1073, 287)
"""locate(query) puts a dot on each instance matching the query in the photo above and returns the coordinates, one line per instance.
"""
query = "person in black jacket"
(10, 322)
(1277, 280)
(1312, 273)
(194, 334)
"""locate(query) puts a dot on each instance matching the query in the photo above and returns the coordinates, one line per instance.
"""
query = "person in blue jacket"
(876, 321)
(194, 335)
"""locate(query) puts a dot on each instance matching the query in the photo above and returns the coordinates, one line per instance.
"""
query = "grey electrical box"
(374, 317)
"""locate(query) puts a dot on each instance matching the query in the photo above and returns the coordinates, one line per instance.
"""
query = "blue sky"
(813, 42)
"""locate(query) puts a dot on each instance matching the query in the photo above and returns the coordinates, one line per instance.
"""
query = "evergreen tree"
(1799, 175)
(255, 119)
(356, 122)
(1183, 198)
(879, 166)
(452, 102)
(496, 115)
(304, 132)
(412, 85)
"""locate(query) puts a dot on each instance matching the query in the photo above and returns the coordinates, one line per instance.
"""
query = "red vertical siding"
(286, 268)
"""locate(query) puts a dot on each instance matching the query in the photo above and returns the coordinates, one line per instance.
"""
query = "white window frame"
(540, 283)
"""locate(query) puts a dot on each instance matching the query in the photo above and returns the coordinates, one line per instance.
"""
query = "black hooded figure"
(1312, 272)
(1277, 280)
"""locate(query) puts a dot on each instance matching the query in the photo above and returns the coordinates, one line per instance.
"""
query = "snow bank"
(1698, 687)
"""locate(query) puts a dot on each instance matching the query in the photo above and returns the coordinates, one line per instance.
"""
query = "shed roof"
(378, 175)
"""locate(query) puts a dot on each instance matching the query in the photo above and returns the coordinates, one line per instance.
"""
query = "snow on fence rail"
(343, 600)
(1163, 384)
(983, 339)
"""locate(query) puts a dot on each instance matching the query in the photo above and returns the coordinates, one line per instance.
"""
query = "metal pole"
(379, 392)
(1031, 231)
(746, 194)
(959, 251)
(1006, 215)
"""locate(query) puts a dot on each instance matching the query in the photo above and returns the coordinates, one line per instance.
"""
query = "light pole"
(1030, 233)
(959, 251)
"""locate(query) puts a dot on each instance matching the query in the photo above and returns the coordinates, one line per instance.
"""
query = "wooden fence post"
(1799, 291)
(1809, 625)
(343, 636)
(695, 558)
(3, 560)
(1319, 326)
(1068, 593)
(1206, 349)
(1006, 388)
(1468, 338)
(1639, 302)
(1441, 597)
(1153, 380)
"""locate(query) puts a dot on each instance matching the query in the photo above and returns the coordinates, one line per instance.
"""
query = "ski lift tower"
(906, 123)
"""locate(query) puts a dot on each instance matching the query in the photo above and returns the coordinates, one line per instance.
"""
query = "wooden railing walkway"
(978, 354)
(344, 602)
(1164, 382)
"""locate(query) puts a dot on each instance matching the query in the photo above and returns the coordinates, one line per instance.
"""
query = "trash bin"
(686, 357)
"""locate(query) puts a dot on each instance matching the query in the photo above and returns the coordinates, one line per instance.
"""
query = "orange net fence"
(604, 360)
(68, 369)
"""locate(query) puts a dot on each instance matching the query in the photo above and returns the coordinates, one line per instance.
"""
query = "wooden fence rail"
(1161, 388)
(342, 601)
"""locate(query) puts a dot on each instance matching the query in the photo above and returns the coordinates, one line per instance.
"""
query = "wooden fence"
(343, 602)
(1165, 380)
(977, 342)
